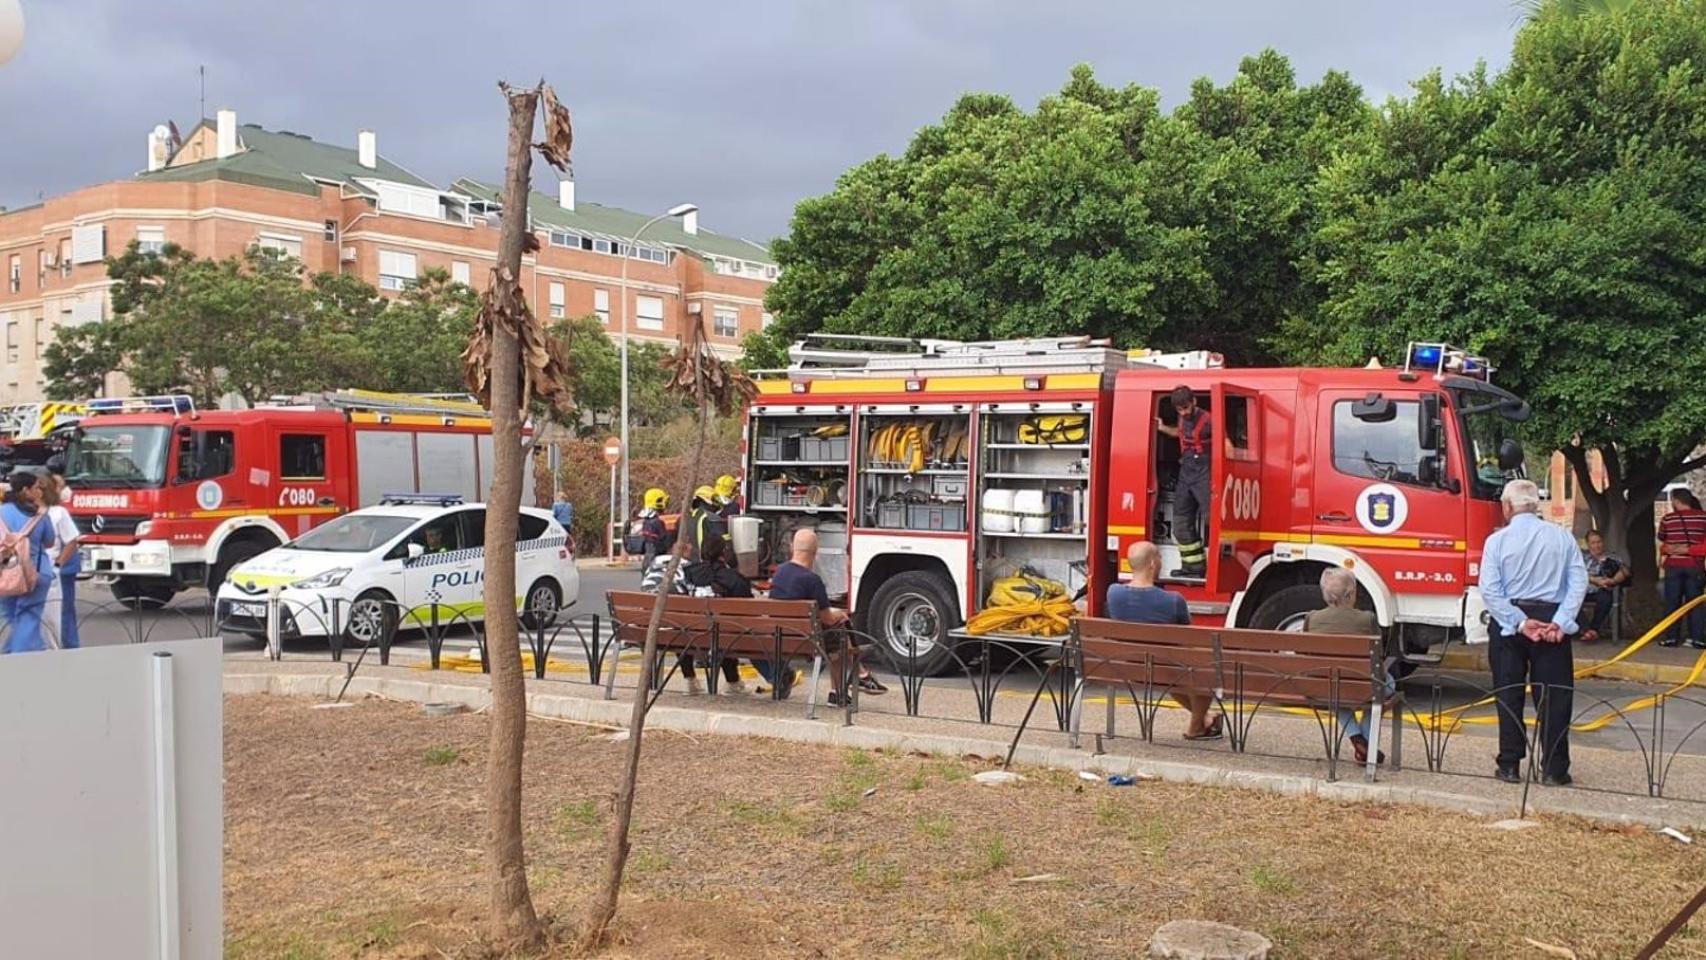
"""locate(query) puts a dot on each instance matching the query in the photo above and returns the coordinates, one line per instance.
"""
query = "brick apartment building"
(227, 187)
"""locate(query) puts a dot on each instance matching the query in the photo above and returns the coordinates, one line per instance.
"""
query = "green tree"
(597, 385)
(1094, 214)
(415, 342)
(1553, 219)
(763, 350)
(78, 360)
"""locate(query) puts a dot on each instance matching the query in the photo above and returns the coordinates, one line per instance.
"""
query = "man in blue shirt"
(564, 512)
(1532, 582)
(1144, 602)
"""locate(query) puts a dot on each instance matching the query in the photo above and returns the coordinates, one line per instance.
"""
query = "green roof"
(616, 223)
(282, 160)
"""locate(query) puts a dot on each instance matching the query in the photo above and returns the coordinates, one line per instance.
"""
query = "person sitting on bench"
(1341, 616)
(1144, 602)
(795, 580)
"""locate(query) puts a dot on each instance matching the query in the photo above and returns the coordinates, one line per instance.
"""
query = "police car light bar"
(422, 499)
(1442, 359)
(164, 403)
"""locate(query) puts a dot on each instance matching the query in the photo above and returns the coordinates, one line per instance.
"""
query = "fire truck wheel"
(372, 618)
(543, 601)
(910, 616)
(143, 593)
(233, 553)
(1285, 609)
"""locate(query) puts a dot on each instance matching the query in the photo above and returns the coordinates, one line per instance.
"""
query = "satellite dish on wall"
(11, 28)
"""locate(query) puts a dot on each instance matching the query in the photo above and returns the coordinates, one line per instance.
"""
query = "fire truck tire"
(233, 553)
(914, 606)
(1285, 609)
(539, 608)
(143, 593)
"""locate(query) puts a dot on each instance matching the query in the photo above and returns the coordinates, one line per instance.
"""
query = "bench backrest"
(1264, 664)
(743, 627)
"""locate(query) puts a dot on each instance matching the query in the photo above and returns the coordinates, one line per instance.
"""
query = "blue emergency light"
(422, 499)
(1426, 355)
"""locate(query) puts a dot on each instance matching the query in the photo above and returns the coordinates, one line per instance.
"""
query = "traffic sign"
(613, 451)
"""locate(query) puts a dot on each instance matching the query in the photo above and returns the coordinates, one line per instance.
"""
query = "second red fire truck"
(933, 471)
(169, 497)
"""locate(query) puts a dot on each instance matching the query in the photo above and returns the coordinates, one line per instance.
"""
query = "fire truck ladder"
(374, 401)
(850, 356)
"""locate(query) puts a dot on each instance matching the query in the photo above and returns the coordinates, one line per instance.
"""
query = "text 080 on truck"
(936, 472)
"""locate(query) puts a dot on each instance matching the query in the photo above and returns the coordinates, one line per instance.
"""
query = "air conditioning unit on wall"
(695, 308)
(347, 255)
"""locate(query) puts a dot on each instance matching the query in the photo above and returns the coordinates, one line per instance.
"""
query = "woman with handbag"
(26, 570)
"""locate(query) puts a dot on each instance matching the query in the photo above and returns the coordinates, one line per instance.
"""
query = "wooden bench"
(711, 628)
(1244, 670)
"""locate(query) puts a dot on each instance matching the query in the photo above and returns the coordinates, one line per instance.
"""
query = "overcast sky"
(740, 106)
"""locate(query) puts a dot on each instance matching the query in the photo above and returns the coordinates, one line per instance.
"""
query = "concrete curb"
(1636, 671)
(615, 713)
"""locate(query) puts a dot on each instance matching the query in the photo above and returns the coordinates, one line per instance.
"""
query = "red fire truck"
(931, 470)
(168, 496)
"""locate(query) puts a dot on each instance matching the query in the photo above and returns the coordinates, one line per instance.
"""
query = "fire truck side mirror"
(1427, 423)
(1510, 456)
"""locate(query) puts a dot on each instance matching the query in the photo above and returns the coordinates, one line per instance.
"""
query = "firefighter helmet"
(656, 499)
(726, 487)
(705, 495)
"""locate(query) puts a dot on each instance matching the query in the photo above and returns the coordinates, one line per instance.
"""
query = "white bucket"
(743, 531)
(998, 510)
(1031, 510)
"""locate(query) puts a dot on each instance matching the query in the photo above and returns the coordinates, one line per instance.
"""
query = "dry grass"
(343, 842)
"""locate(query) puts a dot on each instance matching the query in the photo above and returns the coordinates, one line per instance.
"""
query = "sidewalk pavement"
(1284, 753)
(1670, 666)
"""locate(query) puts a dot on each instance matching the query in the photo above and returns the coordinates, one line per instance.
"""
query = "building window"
(396, 269)
(282, 244)
(331, 231)
(564, 238)
(64, 258)
(151, 240)
(89, 243)
(601, 305)
(766, 320)
(41, 336)
(601, 246)
(725, 321)
(648, 313)
(15, 273)
(302, 456)
(12, 341)
(459, 271)
(1378, 450)
(770, 273)
(558, 311)
(41, 268)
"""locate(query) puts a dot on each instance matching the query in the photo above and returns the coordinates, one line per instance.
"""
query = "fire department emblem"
(1382, 508)
(209, 495)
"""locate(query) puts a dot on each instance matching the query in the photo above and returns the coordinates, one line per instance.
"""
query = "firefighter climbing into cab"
(1195, 433)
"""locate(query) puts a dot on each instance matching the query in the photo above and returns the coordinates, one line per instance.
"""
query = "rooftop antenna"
(202, 70)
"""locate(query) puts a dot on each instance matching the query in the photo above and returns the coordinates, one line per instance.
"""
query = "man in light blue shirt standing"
(564, 513)
(1532, 582)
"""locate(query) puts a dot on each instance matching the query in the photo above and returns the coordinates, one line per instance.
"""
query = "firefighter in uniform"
(1195, 433)
(705, 520)
(651, 532)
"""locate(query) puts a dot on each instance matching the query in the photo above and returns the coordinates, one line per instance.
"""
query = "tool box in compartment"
(936, 516)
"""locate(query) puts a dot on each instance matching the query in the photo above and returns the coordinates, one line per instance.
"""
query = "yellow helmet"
(656, 499)
(726, 487)
(705, 494)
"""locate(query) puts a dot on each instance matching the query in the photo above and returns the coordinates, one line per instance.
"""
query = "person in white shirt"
(61, 613)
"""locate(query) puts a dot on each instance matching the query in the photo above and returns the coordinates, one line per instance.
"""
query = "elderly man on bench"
(1341, 616)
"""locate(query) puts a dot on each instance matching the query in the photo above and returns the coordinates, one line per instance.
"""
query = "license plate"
(256, 610)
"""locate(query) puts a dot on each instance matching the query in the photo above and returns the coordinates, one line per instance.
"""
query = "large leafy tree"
(1555, 220)
(1096, 213)
(414, 343)
(597, 387)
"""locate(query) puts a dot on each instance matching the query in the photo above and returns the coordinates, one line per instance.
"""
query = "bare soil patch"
(357, 833)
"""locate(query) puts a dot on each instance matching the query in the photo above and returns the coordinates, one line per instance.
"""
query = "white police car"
(414, 561)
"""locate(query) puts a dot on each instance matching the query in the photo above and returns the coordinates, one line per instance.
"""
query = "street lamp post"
(679, 210)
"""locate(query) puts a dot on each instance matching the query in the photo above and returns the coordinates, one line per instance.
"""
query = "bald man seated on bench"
(1143, 602)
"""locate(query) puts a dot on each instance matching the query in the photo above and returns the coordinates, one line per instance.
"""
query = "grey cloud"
(741, 106)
